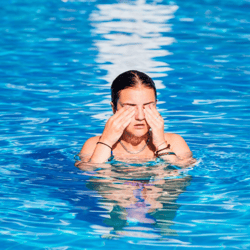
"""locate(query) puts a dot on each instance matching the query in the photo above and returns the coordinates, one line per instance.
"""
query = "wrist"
(163, 149)
(161, 145)
(105, 144)
(165, 154)
(106, 141)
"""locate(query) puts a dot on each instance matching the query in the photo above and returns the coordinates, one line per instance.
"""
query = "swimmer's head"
(130, 79)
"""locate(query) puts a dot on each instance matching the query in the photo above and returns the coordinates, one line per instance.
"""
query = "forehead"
(137, 95)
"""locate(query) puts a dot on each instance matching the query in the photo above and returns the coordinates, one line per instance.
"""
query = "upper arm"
(178, 145)
(88, 148)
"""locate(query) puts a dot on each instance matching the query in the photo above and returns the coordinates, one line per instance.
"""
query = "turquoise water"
(58, 59)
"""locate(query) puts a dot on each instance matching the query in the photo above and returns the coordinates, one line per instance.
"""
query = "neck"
(134, 140)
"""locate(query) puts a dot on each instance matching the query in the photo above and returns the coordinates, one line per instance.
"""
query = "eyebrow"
(132, 104)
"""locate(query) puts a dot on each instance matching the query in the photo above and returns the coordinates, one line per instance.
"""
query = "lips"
(139, 125)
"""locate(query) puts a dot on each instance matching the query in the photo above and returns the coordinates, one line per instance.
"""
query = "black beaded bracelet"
(168, 146)
(104, 144)
(167, 153)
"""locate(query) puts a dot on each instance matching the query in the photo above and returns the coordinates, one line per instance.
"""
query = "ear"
(113, 107)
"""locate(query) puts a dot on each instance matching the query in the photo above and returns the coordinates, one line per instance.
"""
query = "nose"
(139, 115)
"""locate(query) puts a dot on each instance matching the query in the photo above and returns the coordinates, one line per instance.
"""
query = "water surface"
(58, 59)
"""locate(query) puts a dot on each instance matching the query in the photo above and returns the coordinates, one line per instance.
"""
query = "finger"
(152, 105)
(154, 114)
(127, 122)
(153, 111)
(151, 119)
(123, 119)
(122, 112)
(128, 116)
(157, 128)
(126, 112)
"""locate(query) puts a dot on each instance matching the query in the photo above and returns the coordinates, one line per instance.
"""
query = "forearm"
(164, 150)
(180, 162)
(101, 153)
(170, 156)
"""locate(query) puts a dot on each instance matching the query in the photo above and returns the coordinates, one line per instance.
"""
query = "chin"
(138, 133)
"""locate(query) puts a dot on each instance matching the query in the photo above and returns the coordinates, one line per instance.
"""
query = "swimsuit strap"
(111, 157)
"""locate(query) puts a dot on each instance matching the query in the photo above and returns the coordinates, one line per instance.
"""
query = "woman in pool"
(136, 130)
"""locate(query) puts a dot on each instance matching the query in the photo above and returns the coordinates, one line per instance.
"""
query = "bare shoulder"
(173, 138)
(89, 146)
(177, 144)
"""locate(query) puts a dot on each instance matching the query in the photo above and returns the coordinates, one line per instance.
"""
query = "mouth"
(139, 126)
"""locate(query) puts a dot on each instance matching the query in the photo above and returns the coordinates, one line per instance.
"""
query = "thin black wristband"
(104, 144)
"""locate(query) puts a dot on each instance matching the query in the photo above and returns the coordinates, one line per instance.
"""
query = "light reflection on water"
(129, 37)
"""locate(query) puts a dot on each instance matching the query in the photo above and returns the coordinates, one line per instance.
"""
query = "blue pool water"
(58, 59)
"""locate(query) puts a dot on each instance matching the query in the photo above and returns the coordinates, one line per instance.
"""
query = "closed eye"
(147, 104)
(128, 104)
(134, 105)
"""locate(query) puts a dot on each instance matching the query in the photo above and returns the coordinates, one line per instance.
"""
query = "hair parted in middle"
(130, 79)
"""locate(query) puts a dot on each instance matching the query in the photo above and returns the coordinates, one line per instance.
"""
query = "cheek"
(130, 127)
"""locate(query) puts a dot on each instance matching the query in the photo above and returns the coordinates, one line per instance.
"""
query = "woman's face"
(138, 97)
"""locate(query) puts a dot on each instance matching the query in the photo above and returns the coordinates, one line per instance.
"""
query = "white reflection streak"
(132, 38)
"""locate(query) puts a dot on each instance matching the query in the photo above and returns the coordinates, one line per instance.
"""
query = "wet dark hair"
(129, 79)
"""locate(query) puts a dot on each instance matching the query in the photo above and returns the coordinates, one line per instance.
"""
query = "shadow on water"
(139, 198)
